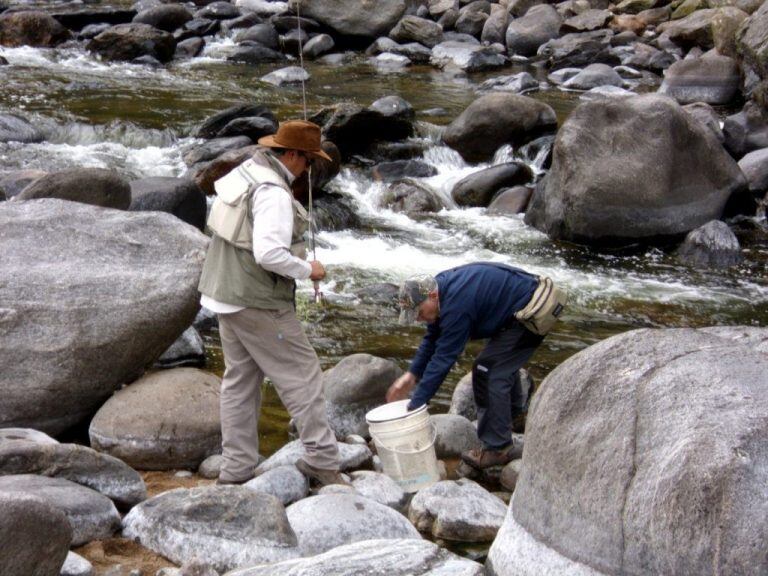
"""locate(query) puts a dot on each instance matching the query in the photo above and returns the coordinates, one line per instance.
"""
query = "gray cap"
(413, 292)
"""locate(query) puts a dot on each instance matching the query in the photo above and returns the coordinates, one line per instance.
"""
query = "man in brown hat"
(249, 279)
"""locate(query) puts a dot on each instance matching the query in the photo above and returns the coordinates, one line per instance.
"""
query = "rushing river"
(137, 119)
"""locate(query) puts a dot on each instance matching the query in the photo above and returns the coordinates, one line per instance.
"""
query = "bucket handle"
(431, 442)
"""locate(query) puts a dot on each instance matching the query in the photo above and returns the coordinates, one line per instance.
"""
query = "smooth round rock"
(330, 520)
(91, 515)
(165, 420)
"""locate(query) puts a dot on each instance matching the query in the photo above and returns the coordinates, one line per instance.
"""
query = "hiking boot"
(319, 475)
(482, 458)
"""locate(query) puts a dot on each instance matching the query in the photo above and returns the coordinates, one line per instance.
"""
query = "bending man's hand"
(318, 271)
(401, 388)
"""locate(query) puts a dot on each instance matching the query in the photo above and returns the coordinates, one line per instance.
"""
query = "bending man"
(256, 254)
(474, 301)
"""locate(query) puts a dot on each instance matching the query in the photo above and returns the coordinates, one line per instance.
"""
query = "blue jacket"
(476, 301)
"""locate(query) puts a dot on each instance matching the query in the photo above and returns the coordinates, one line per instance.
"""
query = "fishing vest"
(230, 272)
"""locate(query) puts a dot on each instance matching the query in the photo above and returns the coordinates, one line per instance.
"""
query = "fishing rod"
(312, 245)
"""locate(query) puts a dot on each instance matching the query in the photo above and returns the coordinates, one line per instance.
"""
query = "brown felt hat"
(297, 135)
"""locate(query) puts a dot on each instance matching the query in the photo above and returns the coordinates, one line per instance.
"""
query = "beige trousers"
(270, 343)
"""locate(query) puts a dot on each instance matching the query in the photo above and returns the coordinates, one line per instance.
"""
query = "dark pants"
(499, 394)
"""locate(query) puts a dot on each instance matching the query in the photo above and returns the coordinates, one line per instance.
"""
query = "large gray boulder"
(713, 245)
(227, 526)
(593, 76)
(712, 79)
(91, 515)
(129, 281)
(354, 386)
(129, 41)
(496, 119)
(178, 196)
(368, 18)
(459, 510)
(79, 464)
(167, 419)
(326, 521)
(31, 28)
(95, 186)
(633, 169)
(35, 536)
(394, 557)
(664, 473)
(524, 35)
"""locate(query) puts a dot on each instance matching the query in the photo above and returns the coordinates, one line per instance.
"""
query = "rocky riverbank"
(643, 451)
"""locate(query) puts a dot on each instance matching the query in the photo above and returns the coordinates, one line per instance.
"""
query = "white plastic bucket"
(405, 442)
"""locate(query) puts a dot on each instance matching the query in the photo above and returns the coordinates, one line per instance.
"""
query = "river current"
(138, 120)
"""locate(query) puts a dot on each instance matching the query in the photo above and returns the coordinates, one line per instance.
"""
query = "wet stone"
(229, 526)
(380, 488)
(91, 515)
(351, 456)
(454, 435)
(326, 521)
(80, 464)
(459, 510)
(286, 483)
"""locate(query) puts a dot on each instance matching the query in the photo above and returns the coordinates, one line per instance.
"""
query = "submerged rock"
(324, 522)
(80, 464)
(667, 462)
(165, 420)
(91, 515)
(713, 245)
(228, 526)
(289, 75)
(53, 375)
(35, 534)
(392, 557)
(459, 510)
